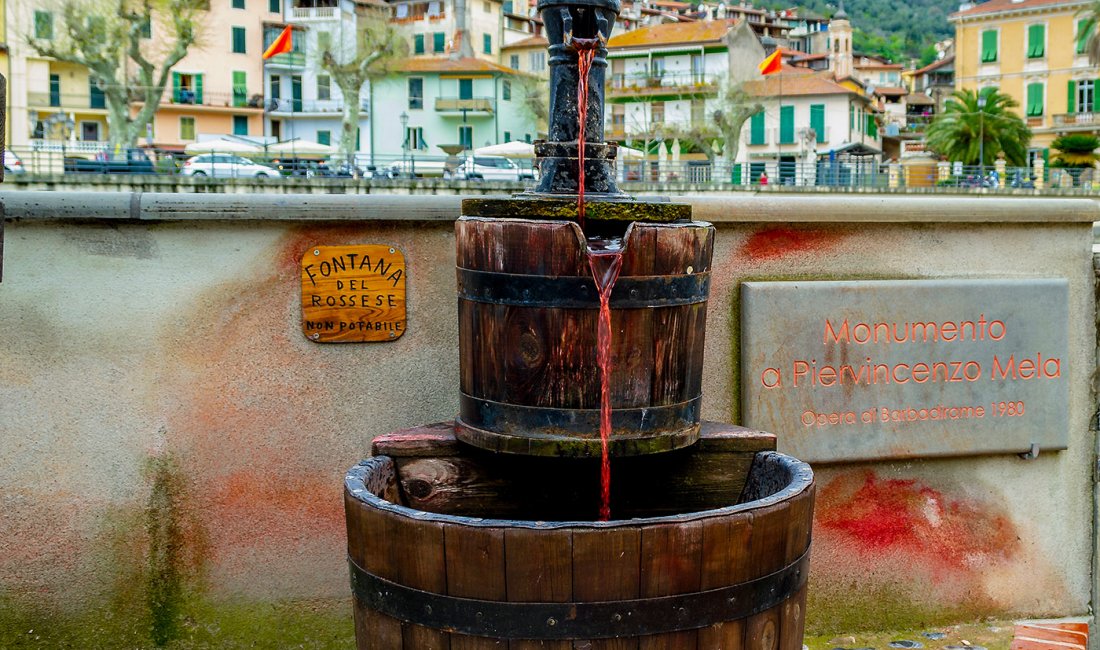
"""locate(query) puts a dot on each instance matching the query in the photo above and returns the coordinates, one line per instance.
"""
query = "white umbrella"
(221, 146)
(306, 147)
(513, 149)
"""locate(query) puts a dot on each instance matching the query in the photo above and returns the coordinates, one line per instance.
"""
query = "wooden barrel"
(728, 576)
(528, 308)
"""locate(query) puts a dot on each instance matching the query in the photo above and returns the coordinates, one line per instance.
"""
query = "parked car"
(310, 168)
(126, 161)
(217, 165)
(491, 168)
(12, 163)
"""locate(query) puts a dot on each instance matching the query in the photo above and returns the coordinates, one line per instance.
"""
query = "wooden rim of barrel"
(528, 389)
(733, 571)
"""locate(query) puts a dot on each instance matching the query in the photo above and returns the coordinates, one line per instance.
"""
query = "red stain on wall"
(773, 243)
(876, 516)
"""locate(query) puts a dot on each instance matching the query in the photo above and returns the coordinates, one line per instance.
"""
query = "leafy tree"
(958, 131)
(372, 55)
(928, 55)
(1077, 150)
(1091, 15)
(108, 38)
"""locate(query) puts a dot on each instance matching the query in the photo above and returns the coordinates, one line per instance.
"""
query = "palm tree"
(1088, 30)
(958, 132)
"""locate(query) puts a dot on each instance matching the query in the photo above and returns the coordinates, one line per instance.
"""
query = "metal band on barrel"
(579, 292)
(508, 418)
(587, 620)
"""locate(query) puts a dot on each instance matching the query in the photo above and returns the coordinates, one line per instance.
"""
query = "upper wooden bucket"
(713, 554)
(528, 311)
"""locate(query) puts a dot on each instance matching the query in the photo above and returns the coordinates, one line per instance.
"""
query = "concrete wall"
(175, 447)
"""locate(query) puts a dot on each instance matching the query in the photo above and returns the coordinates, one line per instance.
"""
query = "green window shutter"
(989, 46)
(851, 117)
(438, 42)
(240, 88)
(198, 89)
(487, 43)
(786, 125)
(465, 88)
(1084, 30)
(1034, 99)
(275, 6)
(240, 125)
(238, 40)
(176, 87)
(756, 129)
(817, 120)
(238, 4)
(43, 25)
(872, 126)
(324, 137)
(418, 44)
(1071, 97)
(1036, 35)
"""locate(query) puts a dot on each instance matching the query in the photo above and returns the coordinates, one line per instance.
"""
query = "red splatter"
(772, 243)
(902, 515)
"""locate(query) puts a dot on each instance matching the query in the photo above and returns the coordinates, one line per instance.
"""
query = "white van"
(492, 168)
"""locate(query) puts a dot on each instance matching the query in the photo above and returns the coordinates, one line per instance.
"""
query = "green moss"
(993, 635)
(565, 209)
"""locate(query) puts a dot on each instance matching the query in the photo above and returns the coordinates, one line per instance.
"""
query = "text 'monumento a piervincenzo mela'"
(352, 294)
(906, 368)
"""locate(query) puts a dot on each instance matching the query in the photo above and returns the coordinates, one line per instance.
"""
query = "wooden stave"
(779, 628)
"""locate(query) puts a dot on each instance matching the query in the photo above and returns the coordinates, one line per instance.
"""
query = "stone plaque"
(352, 294)
(906, 368)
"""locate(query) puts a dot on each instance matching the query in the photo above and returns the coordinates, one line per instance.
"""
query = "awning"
(857, 149)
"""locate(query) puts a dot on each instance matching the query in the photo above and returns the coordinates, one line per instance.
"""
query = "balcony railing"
(66, 101)
(288, 60)
(455, 104)
(312, 13)
(1076, 119)
(663, 82)
(288, 105)
(189, 97)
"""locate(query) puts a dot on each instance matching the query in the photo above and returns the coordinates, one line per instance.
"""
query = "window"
(506, 90)
(55, 90)
(414, 138)
(324, 137)
(657, 113)
(438, 42)
(1082, 99)
(466, 136)
(147, 27)
(786, 124)
(1034, 99)
(465, 88)
(187, 128)
(1036, 41)
(295, 92)
(487, 43)
(416, 93)
(1084, 29)
(527, 138)
(698, 112)
(324, 87)
(238, 40)
(872, 126)
(324, 41)
(537, 61)
(989, 46)
(513, 62)
(43, 25)
(275, 6)
(487, 6)
(271, 32)
(817, 120)
(238, 4)
(186, 88)
(276, 87)
(240, 88)
(96, 98)
(240, 125)
(418, 44)
(507, 136)
(756, 129)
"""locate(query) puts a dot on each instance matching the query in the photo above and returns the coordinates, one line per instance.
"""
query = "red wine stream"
(605, 260)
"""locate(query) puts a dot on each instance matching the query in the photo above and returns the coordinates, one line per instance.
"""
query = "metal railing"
(83, 158)
(287, 105)
(663, 81)
(451, 104)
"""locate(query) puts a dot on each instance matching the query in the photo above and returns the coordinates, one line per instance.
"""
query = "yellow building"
(1031, 51)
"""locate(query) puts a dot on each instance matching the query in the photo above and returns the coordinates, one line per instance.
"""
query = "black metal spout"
(568, 24)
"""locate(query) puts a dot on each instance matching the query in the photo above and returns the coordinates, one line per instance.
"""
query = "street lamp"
(981, 137)
(405, 133)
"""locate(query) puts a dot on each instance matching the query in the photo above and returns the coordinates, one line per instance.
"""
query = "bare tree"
(111, 39)
(377, 47)
(735, 107)
(534, 95)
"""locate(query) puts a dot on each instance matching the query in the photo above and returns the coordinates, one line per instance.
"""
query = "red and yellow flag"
(774, 62)
(281, 44)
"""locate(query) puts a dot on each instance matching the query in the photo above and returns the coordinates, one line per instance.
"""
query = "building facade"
(1034, 52)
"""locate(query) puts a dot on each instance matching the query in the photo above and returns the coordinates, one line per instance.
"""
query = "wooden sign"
(352, 294)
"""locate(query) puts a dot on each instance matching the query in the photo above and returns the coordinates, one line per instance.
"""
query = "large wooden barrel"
(704, 571)
(528, 308)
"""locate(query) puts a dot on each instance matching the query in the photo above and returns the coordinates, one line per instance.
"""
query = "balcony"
(287, 60)
(460, 106)
(186, 97)
(312, 13)
(665, 83)
(64, 102)
(287, 106)
(1088, 119)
